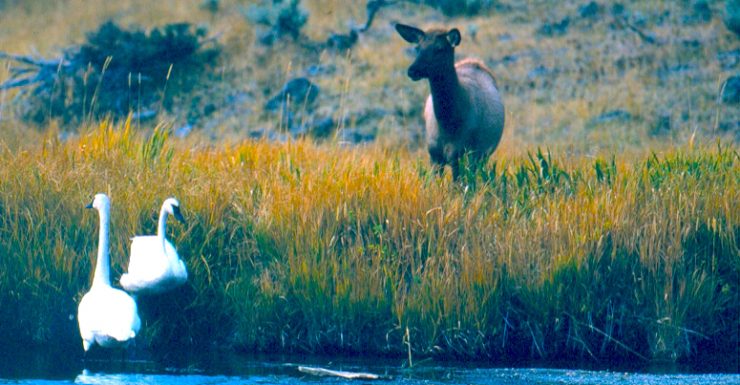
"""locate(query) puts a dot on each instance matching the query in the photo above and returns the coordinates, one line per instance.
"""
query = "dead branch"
(373, 6)
(33, 70)
(337, 373)
(33, 61)
(648, 38)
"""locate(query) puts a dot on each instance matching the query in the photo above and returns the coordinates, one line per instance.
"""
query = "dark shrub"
(279, 18)
(118, 71)
(460, 7)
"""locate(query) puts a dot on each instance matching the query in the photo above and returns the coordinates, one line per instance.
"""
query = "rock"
(504, 37)
(731, 90)
(355, 136)
(211, 6)
(590, 10)
(701, 8)
(732, 15)
(183, 130)
(294, 104)
(342, 42)
(144, 115)
(639, 19)
(268, 134)
(539, 72)
(298, 90)
(64, 136)
(684, 70)
(541, 76)
(618, 9)
(473, 31)
(558, 28)
(256, 134)
(322, 127)
(700, 13)
(662, 125)
(370, 116)
(320, 69)
(318, 128)
(611, 116)
(730, 126)
(729, 59)
(691, 43)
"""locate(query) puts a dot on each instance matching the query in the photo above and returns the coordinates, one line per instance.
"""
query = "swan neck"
(162, 226)
(102, 266)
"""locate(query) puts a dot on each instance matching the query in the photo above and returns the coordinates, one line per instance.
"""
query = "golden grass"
(322, 248)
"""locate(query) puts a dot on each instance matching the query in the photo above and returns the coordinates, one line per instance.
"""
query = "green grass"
(299, 247)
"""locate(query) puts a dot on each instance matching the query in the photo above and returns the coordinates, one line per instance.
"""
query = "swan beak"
(177, 214)
(89, 205)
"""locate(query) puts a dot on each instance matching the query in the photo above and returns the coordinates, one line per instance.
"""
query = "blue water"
(236, 369)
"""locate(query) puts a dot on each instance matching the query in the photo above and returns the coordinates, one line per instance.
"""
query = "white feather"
(106, 316)
(154, 265)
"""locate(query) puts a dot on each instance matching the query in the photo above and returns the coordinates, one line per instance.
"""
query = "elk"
(464, 113)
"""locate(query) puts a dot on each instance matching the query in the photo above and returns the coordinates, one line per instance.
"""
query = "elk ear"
(454, 37)
(410, 34)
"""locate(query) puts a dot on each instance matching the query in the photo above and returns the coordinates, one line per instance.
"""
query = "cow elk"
(464, 113)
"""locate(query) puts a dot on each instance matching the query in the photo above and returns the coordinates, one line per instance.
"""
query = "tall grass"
(299, 247)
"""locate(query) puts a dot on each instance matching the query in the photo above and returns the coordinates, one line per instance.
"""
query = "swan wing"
(177, 266)
(148, 263)
(170, 250)
(87, 318)
(107, 316)
(147, 256)
(153, 269)
(124, 322)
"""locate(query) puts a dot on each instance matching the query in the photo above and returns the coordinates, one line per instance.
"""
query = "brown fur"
(478, 64)
(464, 112)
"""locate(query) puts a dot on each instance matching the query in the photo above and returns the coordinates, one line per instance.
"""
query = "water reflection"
(160, 379)
(196, 368)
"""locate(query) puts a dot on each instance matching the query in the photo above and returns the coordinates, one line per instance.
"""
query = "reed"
(304, 247)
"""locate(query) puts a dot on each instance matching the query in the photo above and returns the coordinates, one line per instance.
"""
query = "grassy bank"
(323, 248)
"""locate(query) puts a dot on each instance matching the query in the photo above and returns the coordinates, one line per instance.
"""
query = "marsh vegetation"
(606, 225)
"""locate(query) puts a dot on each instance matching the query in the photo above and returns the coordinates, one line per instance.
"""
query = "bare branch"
(14, 83)
(33, 61)
(648, 38)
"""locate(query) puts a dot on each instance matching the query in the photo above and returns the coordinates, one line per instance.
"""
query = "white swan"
(154, 265)
(106, 316)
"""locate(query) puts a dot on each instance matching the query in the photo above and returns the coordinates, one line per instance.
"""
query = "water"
(34, 368)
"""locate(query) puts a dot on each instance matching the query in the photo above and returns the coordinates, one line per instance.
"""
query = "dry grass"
(553, 87)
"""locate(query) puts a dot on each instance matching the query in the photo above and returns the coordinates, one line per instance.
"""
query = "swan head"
(172, 207)
(100, 202)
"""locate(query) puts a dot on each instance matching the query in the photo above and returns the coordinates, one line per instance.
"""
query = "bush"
(461, 7)
(118, 71)
(279, 18)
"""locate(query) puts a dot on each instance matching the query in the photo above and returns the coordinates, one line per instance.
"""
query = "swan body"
(154, 265)
(106, 316)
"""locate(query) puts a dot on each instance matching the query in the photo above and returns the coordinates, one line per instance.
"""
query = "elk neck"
(446, 98)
